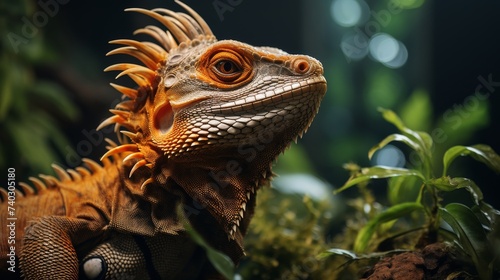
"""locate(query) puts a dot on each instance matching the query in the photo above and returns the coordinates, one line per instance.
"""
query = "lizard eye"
(227, 68)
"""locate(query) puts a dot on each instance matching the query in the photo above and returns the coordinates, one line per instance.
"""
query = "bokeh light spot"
(346, 12)
(390, 156)
(400, 59)
(383, 47)
(388, 51)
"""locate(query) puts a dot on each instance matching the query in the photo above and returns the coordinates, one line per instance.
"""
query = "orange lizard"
(200, 130)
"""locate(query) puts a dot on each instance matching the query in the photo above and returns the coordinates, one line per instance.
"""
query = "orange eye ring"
(226, 67)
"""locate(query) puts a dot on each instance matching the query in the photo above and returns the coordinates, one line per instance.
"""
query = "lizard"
(199, 131)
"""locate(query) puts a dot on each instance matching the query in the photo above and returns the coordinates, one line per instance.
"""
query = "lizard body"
(204, 124)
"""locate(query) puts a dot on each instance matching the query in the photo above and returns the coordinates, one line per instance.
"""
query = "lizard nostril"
(301, 65)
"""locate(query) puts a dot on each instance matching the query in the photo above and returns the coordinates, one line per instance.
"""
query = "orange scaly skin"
(205, 123)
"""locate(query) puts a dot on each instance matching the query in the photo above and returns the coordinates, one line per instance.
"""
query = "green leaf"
(353, 256)
(448, 184)
(424, 139)
(397, 211)
(421, 139)
(482, 217)
(482, 153)
(394, 137)
(403, 189)
(221, 262)
(470, 236)
(340, 252)
(392, 118)
(378, 172)
(492, 214)
(357, 256)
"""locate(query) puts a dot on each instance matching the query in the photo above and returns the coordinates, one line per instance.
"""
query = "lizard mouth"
(293, 91)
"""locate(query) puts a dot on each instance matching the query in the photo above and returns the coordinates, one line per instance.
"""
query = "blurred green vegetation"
(286, 238)
(31, 108)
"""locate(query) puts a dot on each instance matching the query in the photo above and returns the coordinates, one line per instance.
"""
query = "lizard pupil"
(227, 67)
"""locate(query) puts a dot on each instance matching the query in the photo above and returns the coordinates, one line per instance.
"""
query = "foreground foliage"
(470, 225)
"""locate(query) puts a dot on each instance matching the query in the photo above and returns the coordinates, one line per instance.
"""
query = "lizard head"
(217, 98)
(211, 115)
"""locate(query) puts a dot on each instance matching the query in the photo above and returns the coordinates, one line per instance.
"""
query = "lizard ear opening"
(164, 118)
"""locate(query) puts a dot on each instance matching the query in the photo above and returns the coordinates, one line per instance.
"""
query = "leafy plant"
(286, 236)
(471, 228)
(288, 249)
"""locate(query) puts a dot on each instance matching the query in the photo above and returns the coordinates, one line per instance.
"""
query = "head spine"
(181, 30)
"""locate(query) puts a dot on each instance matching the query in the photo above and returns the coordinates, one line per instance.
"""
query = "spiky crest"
(76, 175)
(182, 30)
